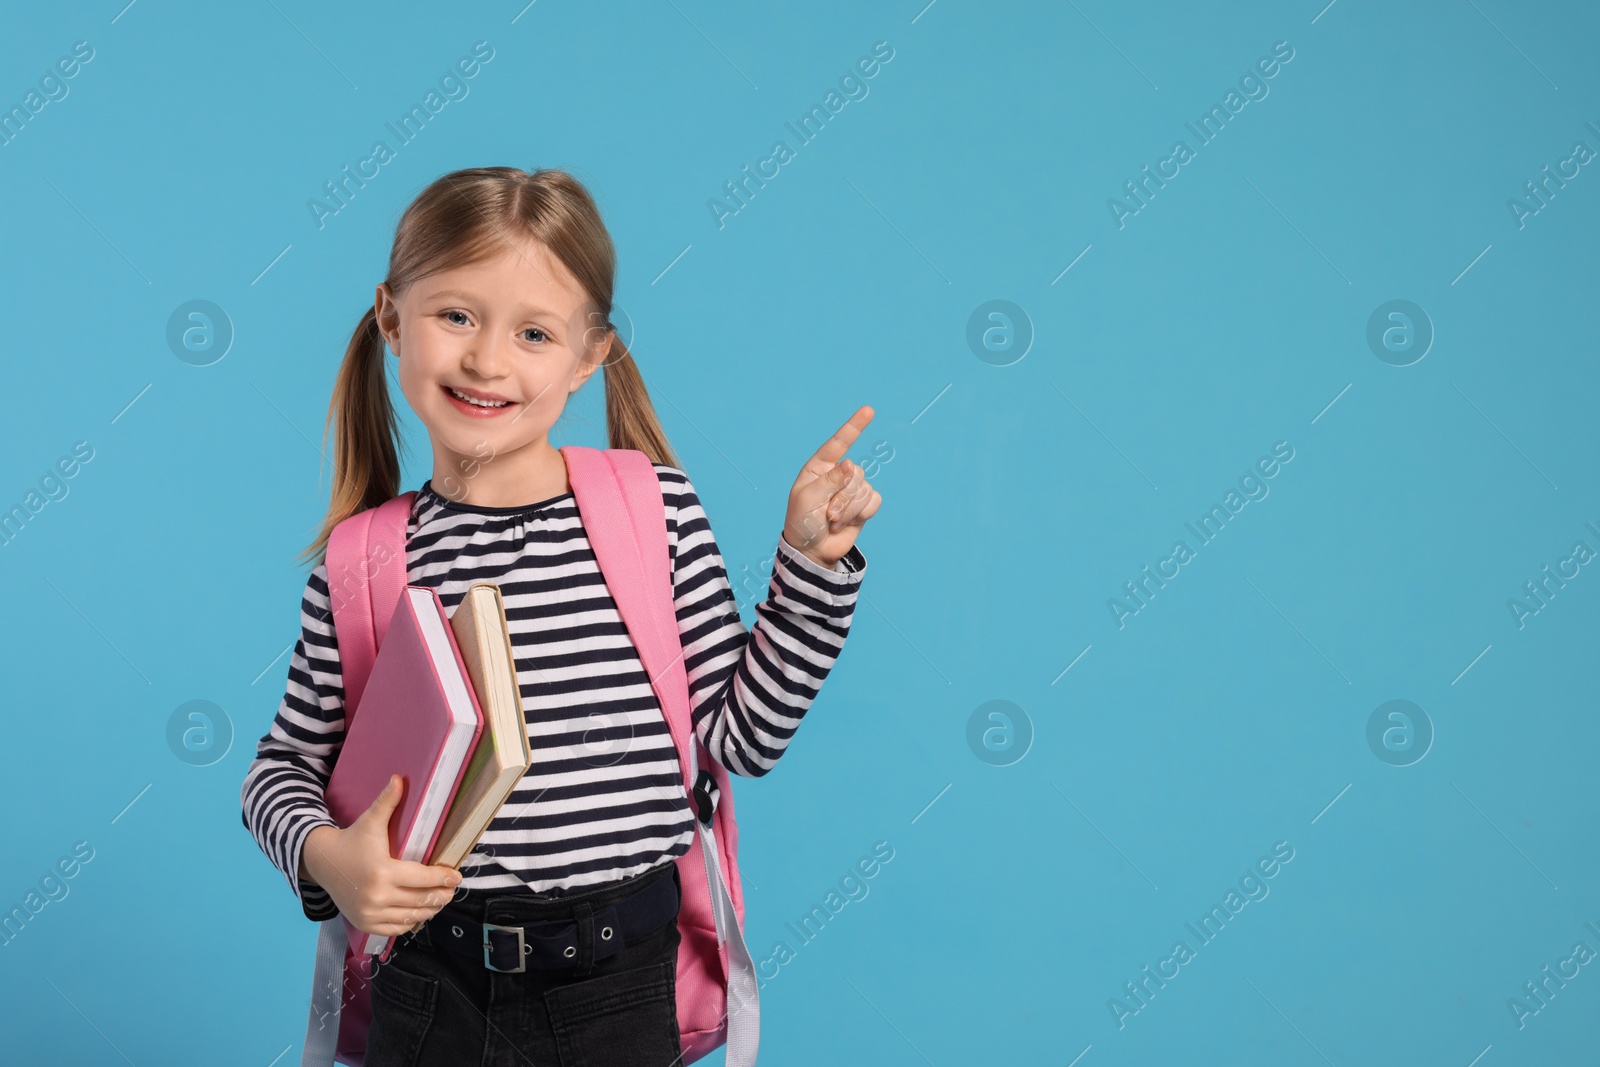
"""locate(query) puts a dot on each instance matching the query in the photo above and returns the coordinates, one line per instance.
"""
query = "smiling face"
(509, 333)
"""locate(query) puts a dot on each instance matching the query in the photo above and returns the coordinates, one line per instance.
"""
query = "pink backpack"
(619, 499)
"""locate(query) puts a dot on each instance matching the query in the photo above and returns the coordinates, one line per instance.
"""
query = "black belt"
(554, 945)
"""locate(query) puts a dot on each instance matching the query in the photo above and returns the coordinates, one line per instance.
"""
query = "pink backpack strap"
(366, 568)
(619, 499)
(366, 563)
(626, 523)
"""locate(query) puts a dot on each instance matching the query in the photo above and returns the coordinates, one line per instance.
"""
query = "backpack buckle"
(521, 949)
(705, 796)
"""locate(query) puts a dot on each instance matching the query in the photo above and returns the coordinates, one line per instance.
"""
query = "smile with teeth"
(476, 402)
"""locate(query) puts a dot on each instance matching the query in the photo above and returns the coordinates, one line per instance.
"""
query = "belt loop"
(583, 915)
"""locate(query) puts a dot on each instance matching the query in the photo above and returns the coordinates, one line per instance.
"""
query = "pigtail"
(366, 462)
(630, 417)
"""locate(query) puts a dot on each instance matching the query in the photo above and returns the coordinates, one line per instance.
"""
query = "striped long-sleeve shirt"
(604, 797)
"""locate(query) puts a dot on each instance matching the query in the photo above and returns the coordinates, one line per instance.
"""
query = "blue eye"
(452, 311)
(535, 329)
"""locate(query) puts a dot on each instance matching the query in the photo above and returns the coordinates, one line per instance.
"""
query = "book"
(418, 718)
(503, 755)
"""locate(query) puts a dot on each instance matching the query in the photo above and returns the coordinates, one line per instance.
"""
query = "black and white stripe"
(604, 796)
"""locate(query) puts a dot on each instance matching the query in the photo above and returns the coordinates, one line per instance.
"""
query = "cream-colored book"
(502, 756)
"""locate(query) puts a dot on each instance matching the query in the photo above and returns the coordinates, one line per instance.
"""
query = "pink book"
(419, 718)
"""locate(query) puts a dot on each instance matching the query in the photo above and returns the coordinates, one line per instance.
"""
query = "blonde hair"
(466, 217)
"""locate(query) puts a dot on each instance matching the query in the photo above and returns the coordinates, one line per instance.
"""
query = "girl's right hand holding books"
(376, 892)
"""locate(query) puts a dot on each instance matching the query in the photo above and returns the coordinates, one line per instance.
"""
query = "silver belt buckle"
(522, 949)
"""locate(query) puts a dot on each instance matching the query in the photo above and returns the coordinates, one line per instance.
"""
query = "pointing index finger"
(834, 448)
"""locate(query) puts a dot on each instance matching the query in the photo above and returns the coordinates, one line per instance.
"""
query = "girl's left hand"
(831, 498)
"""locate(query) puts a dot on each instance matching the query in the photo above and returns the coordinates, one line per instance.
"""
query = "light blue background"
(1229, 314)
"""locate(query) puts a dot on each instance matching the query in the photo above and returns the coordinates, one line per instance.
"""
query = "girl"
(497, 307)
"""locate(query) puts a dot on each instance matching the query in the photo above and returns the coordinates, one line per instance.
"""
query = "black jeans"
(431, 1006)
